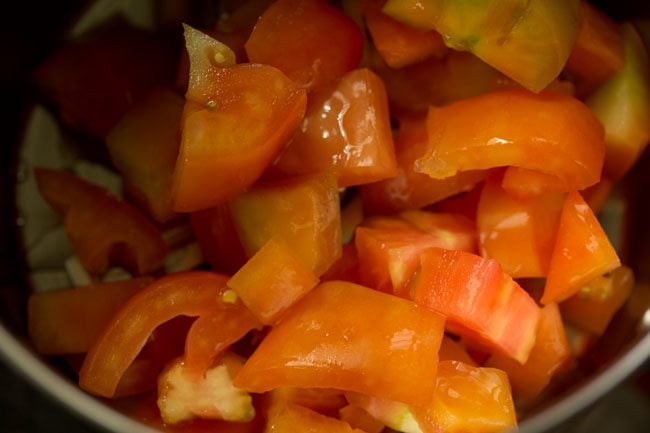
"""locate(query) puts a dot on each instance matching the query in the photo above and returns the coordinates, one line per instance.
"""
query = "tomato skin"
(289, 36)
(102, 229)
(548, 132)
(481, 302)
(346, 131)
(322, 342)
(195, 293)
(48, 314)
(581, 252)
(304, 211)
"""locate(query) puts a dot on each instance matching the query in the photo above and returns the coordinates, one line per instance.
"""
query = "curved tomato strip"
(548, 132)
(194, 293)
(348, 337)
(102, 229)
(213, 333)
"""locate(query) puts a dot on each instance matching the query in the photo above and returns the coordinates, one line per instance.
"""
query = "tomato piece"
(303, 211)
(183, 396)
(190, 294)
(215, 231)
(346, 131)
(236, 121)
(212, 333)
(322, 342)
(400, 45)
(437, 81)
(581, 252)
(389, 248)
(289, 418)
(273, 280)
(480, 301)
(465, 204)
(596, 195)
(395, 415)
(594, 305)
(621, 104)
(48, 314)
(519, 233)
(143, 147)
(468, 398)
(415, 13)
(521, 182)
(359, 418)
(409, 188)
(103, 230)
(346, 267)
(452, 350)
(539, 34)
(289, 36)
(81, 77)
(598, 51)
(455, 232)
(549, 132)
(550, 354)
(322, 400)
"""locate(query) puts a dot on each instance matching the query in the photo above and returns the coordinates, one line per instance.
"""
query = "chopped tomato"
(325, 343)
(400, 45)
(144, 146)
(468, 398)
(236, 121)
(273, 280)
(550, 354)
(539, 34)
(194, 293)
(581, 252)
(409, 188)
(289, 36)
(594, 305)
(48, 314)
(389, 248)
(215, 231)
(522, 182)
(622, 105)
(322, 400)
(346, 131)
(452, 350)
(480, 301)
(103, 230)
(359, 418)
(598, 52)
(212, 333)
(303, 211)
(549, 132)
(289, 418)
(519, 233)
(346, 267)
(83, 80)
